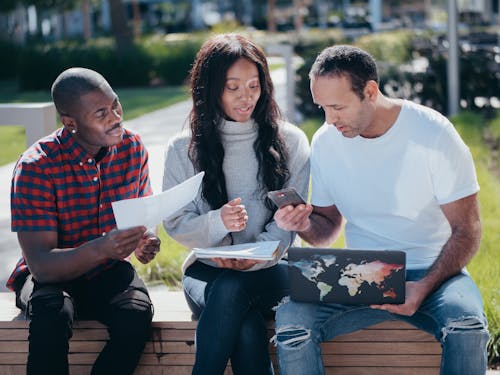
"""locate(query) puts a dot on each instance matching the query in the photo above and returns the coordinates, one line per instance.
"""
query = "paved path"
(155, 129)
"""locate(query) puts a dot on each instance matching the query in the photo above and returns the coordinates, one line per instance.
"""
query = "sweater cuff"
(216, 228)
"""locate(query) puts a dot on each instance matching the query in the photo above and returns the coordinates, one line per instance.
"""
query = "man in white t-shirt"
(402, 179)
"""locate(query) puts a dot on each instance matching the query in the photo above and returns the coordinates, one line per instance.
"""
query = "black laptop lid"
(349, 277)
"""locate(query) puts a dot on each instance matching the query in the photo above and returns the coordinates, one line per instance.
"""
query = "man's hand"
(236, 264)
(415, 295)
(234, 215)
(120, 243)
(148, 247)
(292, 218)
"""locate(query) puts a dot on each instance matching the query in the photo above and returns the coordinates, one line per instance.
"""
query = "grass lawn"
(485, 266)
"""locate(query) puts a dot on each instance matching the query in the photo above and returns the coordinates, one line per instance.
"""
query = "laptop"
(348, 277)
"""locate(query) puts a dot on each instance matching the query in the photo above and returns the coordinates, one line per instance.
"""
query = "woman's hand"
(236, 264)
(234, 215)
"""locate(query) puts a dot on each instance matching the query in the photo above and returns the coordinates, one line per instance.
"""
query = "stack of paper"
(265, 250)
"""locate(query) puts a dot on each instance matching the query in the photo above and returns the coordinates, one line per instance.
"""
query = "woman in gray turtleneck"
(238, 139)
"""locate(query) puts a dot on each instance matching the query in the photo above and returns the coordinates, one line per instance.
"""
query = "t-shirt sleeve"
(33, 206)
(452, 168)
(320, 193)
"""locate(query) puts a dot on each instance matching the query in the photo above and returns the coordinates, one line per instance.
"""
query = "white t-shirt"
(389, 189)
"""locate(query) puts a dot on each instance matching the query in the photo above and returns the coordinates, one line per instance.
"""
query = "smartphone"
(284, 197)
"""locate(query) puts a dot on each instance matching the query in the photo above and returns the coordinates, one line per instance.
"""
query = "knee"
(290, 332)
(51, 305)
(132, 314)
(292, 337)
(227, 290)
(466, 328)
(51, 314)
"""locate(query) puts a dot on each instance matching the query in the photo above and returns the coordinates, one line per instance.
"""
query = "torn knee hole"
(292, 337)
(462, 325)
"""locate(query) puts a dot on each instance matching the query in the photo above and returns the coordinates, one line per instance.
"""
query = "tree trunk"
(119, 25)
(136, 11)
(64, 24)
(271, 19)
(87, 34)
(297, 10)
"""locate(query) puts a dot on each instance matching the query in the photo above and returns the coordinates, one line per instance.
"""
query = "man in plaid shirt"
(75, 263)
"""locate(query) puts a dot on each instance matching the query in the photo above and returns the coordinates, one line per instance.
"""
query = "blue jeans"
(232, 307)
(453, 314)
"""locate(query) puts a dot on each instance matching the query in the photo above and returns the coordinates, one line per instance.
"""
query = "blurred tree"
(271, 17)
(136, 18)
(119, 25)
(86, 20)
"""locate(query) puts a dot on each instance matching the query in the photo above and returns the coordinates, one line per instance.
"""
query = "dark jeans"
(116, 297)
(232, 307)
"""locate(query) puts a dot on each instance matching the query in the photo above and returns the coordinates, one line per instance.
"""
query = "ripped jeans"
(453, 314)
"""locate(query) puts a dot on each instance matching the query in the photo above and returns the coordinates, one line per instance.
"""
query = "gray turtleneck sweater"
(196, 225)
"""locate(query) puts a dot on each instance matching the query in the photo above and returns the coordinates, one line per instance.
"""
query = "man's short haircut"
(71, 84)
(349, 61)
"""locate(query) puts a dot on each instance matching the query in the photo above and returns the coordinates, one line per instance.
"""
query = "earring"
(73, 131)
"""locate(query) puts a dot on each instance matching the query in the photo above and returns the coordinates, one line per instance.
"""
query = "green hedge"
(9, 60)
(146, 62)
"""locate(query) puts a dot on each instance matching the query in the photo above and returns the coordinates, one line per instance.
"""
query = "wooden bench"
(390, 348)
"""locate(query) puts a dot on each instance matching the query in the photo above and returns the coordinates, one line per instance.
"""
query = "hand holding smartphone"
(285, 197)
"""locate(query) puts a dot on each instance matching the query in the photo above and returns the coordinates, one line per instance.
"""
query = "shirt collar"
(74, 151)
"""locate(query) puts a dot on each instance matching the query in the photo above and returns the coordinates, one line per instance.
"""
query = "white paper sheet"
(150, 211)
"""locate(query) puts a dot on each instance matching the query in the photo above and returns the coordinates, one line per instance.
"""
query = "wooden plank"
(329, 360)
(101, 335)
(154, 348)
(378, 360)
(12, 358)
(13, 334)
(14, 369)
(85, 370)
(381, 371)
(14, 346)
(13, 324)
(173, 347)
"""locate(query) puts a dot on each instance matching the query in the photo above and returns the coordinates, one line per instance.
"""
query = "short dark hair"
(71, 84)
(344, 60)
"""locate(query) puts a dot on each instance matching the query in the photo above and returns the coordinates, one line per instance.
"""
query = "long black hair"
(207, 81)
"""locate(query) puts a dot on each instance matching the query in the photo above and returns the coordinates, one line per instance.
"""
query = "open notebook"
(263, 250)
